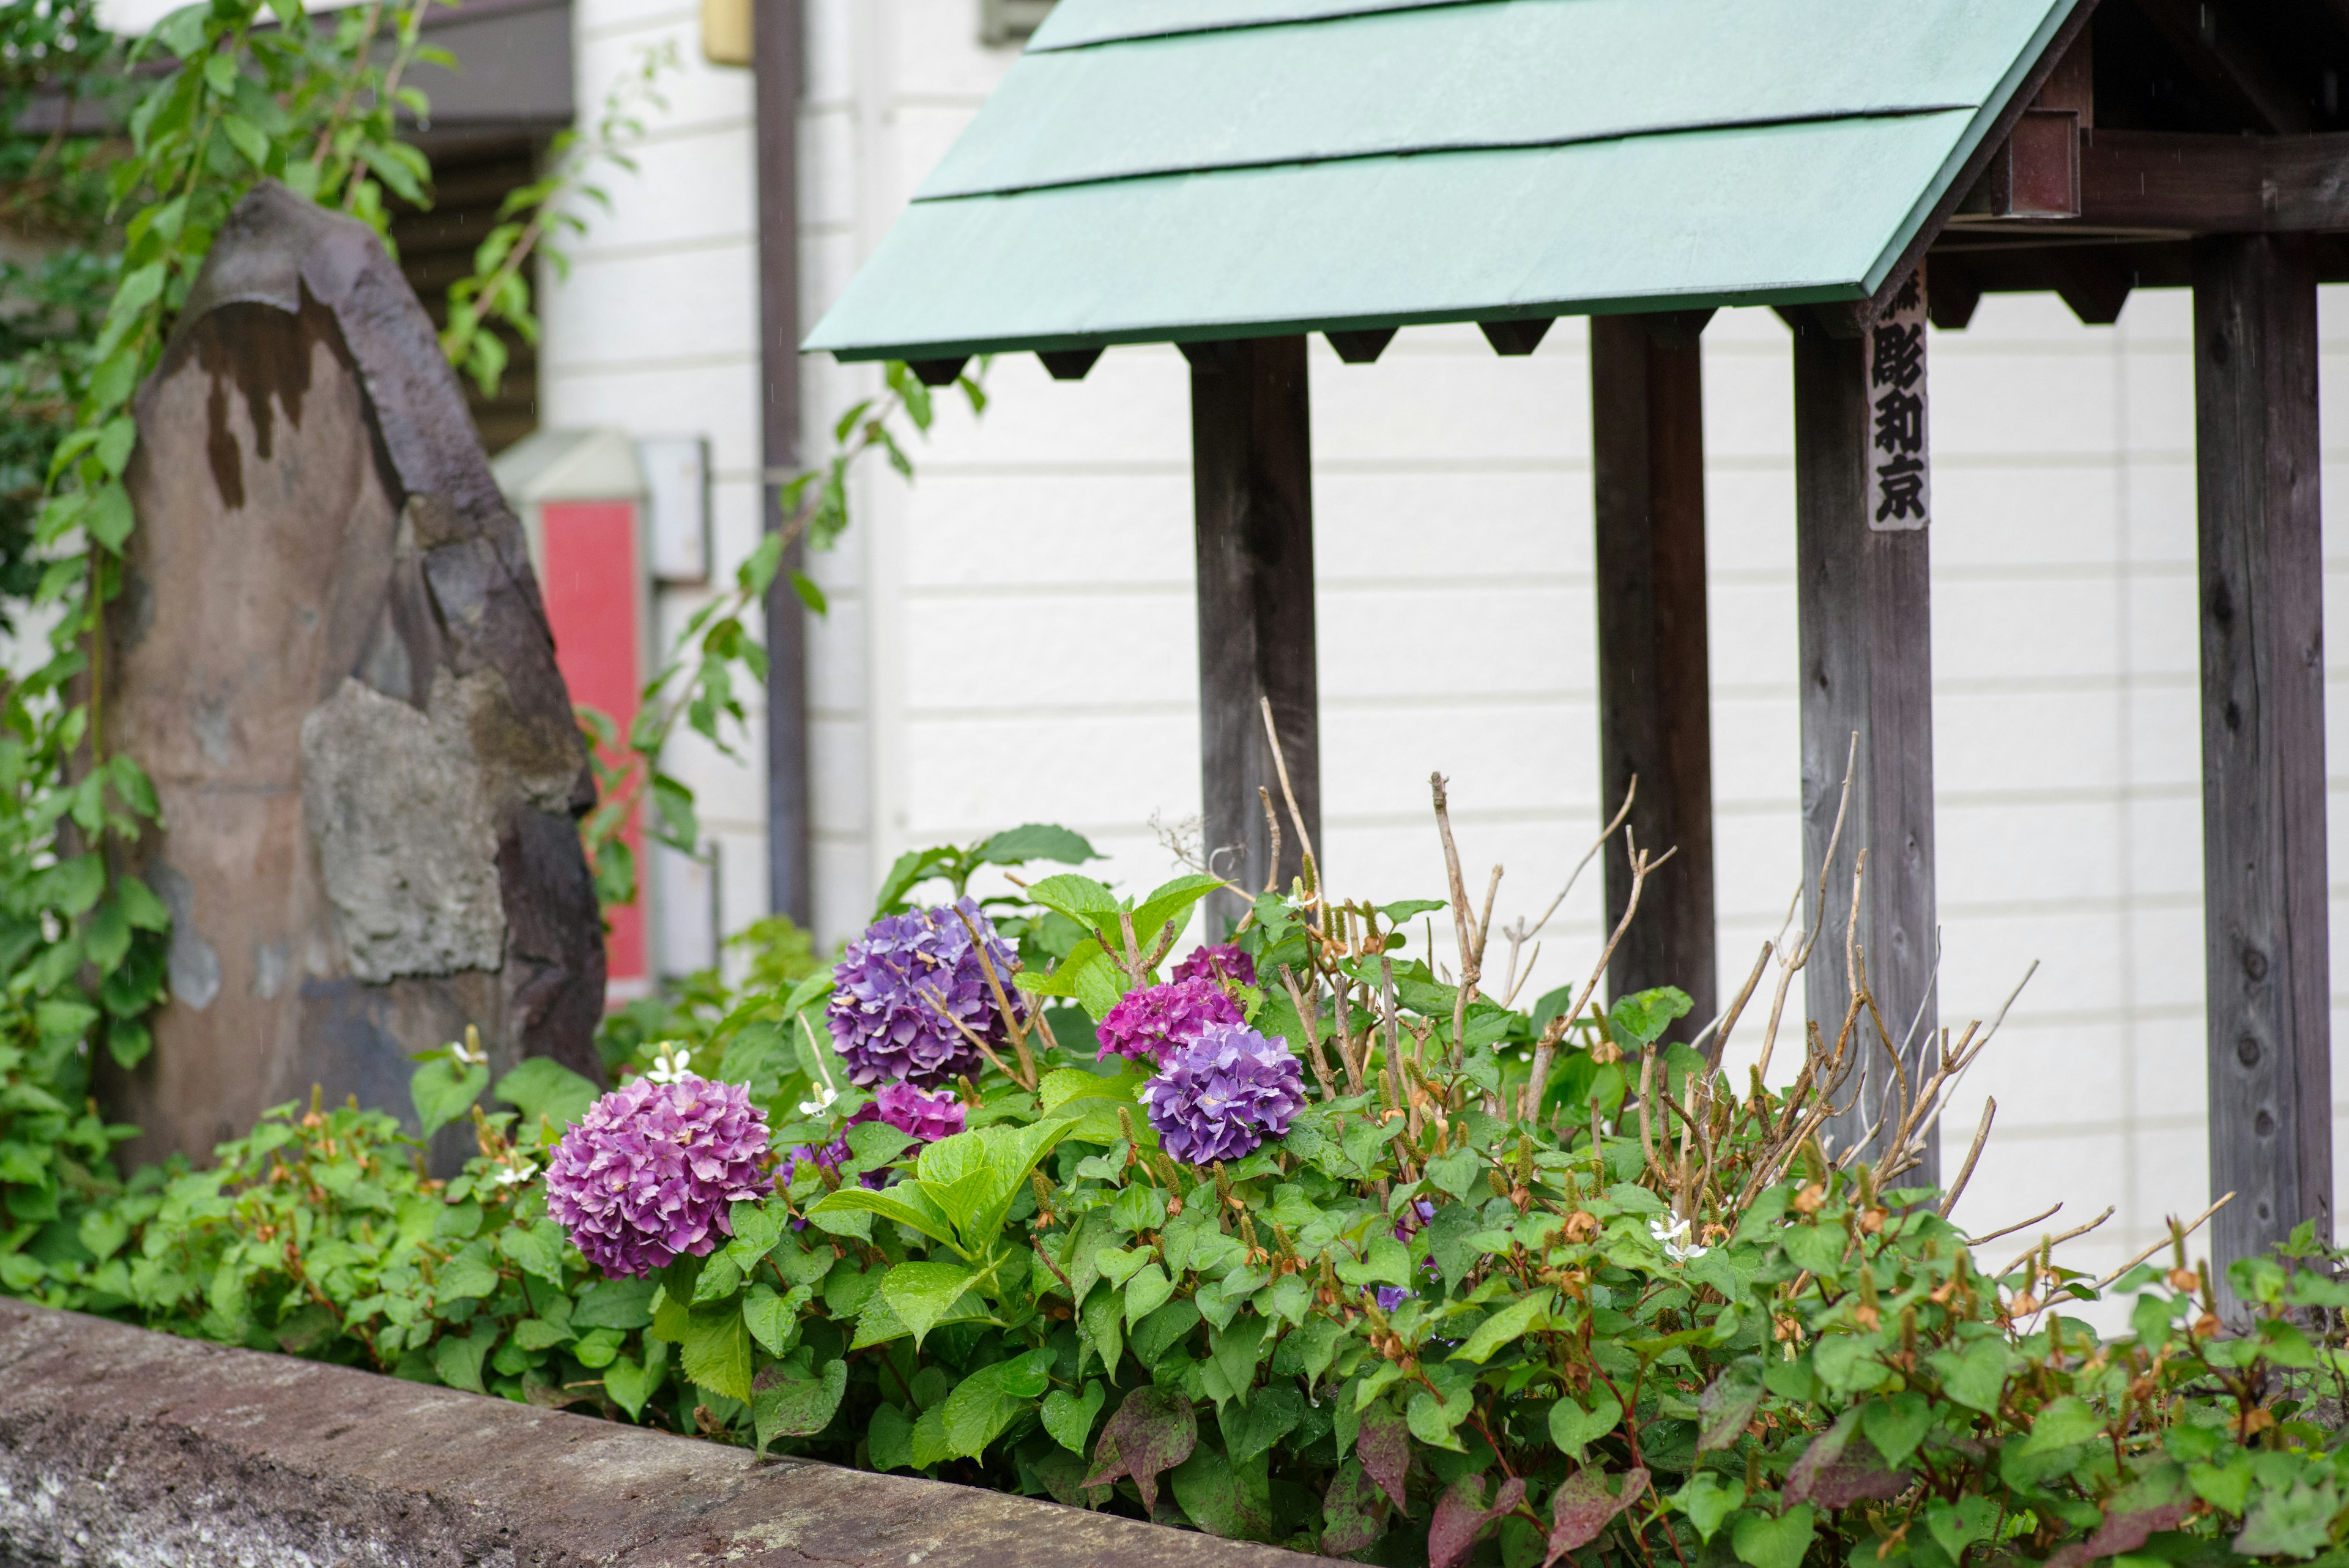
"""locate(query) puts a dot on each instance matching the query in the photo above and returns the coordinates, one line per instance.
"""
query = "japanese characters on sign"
(1899, 487)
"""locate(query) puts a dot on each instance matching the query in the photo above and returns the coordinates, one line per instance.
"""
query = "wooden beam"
(2263, 789)
(2214, 48)
(1655, 710)
(1863, 588)
(1251, 466)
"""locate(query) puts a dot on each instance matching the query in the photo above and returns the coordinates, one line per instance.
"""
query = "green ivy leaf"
(1707, 1500)
(442, 1093)
(1573, 1426)
(789, 1400)
(543, 1087)
(1762, 1542)
(921, 1295)
(1070, 1419)
(1513, 1321)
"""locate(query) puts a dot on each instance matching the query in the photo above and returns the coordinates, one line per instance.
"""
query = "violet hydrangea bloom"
(1223, 961)
(1150, 1023)
(1224, 1094)
(924, 1117)
(652, 1169)
(885, 1008)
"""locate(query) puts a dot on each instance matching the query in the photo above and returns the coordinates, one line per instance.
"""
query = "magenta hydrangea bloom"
(885, 1010)
(1149, 1023)
(924, 1117)
(652, 1169)
(1224, 1094)
(1223, 961)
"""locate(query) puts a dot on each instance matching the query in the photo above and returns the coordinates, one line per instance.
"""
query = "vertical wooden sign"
(1899, 472)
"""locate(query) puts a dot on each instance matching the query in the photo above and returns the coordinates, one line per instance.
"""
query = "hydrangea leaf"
(630, 1384)
(1037, 841)
(717, 1349)
(908, 1203)
(922, 1294)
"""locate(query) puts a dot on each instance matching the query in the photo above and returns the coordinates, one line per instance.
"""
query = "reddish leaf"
(1384, 1445)
(1461, 1513)
(1841, 1467)
(1353, 1514)
(1151, 1432)
(1583, 1507)
(2119, 1533)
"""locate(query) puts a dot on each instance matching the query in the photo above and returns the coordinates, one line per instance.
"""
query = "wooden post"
(1655, 711)
(1251, 465)
(2263, 862)
(1864, 589)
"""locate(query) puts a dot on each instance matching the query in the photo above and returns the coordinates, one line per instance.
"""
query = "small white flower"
(516, 1170)
(825, 1096)
(468, 1051)
(672, 1063)
(1673, 1238)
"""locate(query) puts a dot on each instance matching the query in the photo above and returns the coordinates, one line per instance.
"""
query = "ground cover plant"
(1292, 1239)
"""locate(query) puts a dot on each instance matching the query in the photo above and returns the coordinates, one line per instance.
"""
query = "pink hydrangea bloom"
(1223, 961)
(1148, 1024)
(652, 1169)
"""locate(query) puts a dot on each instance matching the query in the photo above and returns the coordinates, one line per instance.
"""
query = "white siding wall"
(1012, 637)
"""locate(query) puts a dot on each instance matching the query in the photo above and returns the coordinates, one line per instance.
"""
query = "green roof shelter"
(1231, 175)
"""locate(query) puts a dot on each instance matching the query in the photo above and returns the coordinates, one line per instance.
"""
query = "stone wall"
(132, 1450)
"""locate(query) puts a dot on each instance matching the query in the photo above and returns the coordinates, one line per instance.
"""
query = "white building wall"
(1011, 637)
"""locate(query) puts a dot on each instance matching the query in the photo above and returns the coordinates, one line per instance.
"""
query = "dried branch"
(2177, 1237)
(1966, 1171)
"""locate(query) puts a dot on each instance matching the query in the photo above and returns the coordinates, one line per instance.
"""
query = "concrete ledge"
(119, 1446)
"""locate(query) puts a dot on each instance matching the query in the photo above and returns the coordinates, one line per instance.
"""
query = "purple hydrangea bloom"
(923, 1117)
(1224, 961)
(1224, 1094)
(652, 1169)
(1150, 1023)
(884, 1012)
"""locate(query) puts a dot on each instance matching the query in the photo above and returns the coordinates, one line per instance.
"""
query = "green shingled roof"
(1158, 170)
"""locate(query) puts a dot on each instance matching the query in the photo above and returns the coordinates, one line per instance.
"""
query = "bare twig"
(1521, 933)
(1729, 1020)
(2011, 1230)
(1309, 1015)
(2054, 1242)
(1027, 1074)
(2176, 1236)
(1966, 1171)
(1304, 839)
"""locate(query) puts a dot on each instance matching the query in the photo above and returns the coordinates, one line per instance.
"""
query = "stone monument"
(331, 655)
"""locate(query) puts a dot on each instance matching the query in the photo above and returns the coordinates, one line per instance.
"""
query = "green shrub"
(1514, 1284)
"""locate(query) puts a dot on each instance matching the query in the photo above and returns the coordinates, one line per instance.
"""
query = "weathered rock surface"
(131, 1450)
(332, 655)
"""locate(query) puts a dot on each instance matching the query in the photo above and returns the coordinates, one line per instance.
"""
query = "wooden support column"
(2263, 859)
(1251, 467)
(1864, 591)
(1655, 708)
